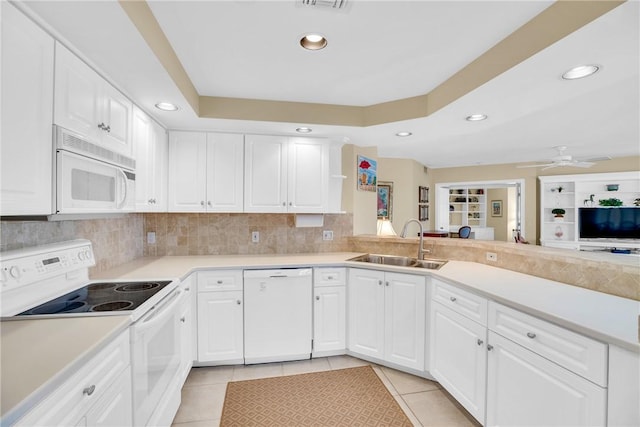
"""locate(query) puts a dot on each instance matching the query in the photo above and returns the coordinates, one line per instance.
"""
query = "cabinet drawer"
(78, 394)
(329, 276)
(577, 353)
(220, 280)
(469, 305)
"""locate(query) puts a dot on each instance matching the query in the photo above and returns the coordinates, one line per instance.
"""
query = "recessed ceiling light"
(166, 106)
(313, 42)
(580, 72)
(303, 130)
(403, 134)
(476, 117)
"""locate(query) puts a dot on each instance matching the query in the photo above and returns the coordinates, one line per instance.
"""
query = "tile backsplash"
(226, 233)
(115, 240)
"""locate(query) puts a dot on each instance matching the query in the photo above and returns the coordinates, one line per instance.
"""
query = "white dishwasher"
(277, 315)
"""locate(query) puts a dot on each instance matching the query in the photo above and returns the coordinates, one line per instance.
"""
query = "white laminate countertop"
(38, 355)
(605, 317)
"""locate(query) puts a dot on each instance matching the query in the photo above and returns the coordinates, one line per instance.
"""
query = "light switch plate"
(327, 235)
(151, 237)
(255, 236)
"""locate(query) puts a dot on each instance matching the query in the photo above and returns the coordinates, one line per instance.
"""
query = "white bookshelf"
(467, 206)
(571, 192)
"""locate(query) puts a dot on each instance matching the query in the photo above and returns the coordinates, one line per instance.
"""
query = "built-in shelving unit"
(572, 192)
(467, 206)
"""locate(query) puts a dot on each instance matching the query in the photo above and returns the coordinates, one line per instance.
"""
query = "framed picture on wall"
(385, 200)
(496, 208)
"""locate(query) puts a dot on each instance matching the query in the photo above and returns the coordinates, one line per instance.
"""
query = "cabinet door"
(527, 389)
(458, 357)
(114, 407)
(308, 175)
(77, 95)
(220, 327)
(187, 171)
(144, 155)
(404, 314)
(366, 312)
(160, 144)
(265, 173)
(187, 326)
(116, 115)
(225, 172)
(27, 113)
(329, 325)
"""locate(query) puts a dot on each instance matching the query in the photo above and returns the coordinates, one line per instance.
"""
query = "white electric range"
(53, 280)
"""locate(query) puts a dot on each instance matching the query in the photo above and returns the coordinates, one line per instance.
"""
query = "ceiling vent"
(333, 4)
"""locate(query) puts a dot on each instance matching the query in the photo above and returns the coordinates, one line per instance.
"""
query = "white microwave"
(90, 178)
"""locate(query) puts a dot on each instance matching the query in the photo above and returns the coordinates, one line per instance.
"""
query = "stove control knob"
(81, 256)
(14, 271)
(3, 276)
(87, 254)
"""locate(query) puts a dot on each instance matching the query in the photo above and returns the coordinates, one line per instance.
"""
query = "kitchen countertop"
(605, 317)
(38, 355)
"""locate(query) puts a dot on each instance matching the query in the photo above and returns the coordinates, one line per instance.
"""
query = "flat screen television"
(609, 223)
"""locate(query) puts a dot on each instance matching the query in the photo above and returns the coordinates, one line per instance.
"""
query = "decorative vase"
(558, 233)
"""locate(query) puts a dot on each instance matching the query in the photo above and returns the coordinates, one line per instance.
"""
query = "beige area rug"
(344, 397)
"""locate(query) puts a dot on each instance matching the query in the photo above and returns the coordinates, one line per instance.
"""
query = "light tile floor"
(424, 401)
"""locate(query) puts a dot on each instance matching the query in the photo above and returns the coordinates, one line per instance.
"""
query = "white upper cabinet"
(205, 172)
(87, 104)
(27, 111)
(285, 174)
(151, 148)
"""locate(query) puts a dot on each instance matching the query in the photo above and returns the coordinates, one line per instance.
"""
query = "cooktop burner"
(100, 297)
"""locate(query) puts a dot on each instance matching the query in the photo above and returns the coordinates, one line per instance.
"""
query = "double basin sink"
(401, 261)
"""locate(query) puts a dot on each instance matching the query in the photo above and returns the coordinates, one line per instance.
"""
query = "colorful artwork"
(367, 174)
(385, 200)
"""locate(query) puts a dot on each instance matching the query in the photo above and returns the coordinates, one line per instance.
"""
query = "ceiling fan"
(567, 160)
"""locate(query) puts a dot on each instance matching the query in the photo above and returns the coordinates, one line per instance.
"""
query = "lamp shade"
(385, 228)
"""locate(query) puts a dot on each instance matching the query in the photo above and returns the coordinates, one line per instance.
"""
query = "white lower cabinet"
(98, 394)
(459, 357)
(220, 317)
(525, 389)
(386, 316)
(188, 327)
(329, 311)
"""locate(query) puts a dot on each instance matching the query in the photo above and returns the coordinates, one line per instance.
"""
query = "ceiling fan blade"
(594, 159)
(536, 166)
(551, 166)
(583, 164)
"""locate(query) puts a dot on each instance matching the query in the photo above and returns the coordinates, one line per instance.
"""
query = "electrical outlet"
(327, 235)
(151, 237)
(255, 236)
(492, 256)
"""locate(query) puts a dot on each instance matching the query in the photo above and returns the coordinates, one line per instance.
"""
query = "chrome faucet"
(403, 234)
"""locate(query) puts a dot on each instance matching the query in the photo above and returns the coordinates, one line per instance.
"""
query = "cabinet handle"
(183, 319)
(219, 282)
(290, 203)
(108, 129)
(480, 342)
(386, 283)
(101, 126)
(453, 299)
(329, 277)
(531, 335)
(187, 289)
(317, 297)
(284, 204)
(150, 201)
(89, 390)
(209, 202)
(489, 347)
(201, 202)
(379, 282)
(238, 302)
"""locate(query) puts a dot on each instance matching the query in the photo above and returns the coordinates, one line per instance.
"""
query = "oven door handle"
(157, 314)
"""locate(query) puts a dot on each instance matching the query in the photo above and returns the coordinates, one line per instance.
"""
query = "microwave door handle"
(124, 186)
(157, 316)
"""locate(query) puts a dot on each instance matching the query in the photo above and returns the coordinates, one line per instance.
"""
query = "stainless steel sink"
(401, 261)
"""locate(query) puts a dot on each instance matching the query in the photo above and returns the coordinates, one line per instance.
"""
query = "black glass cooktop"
(97, 297)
